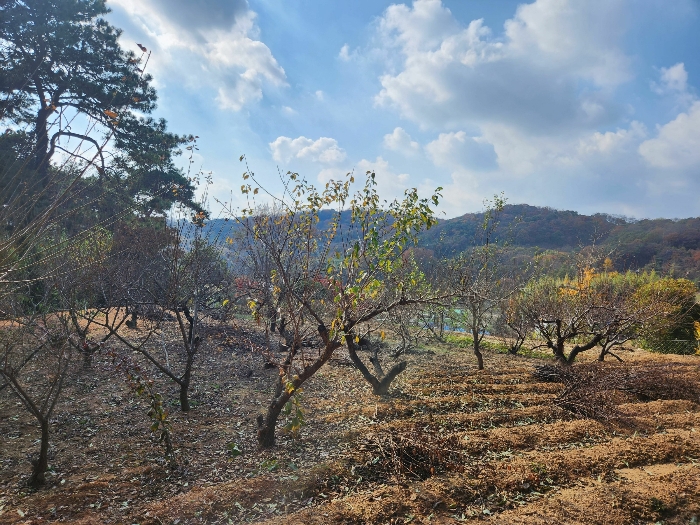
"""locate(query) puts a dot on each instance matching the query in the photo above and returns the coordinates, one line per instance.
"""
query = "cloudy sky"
(586, 105)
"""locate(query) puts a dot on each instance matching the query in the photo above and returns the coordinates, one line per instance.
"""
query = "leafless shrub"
(669, 381)
(595, 391)
(413, 454)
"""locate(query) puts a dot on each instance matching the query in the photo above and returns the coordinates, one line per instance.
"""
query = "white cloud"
(673, 82)
(531, 77)
(592, 169)
(344, 53)
(673, 79)
(458, 150)
(319, 95)
(324, 150)
(389, 183)
(532, 111)
(290, 112)
(612, 142)
(401, 141)
(677, 144)
(575, 38)
(216, 47)
(424, 26)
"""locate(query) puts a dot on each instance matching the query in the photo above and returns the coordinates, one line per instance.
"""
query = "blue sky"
(592, 106)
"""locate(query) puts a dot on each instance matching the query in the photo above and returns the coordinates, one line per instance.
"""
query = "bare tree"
(513, 325)
(35, 358)
(479, 284)
(604, 310)
(180, 276)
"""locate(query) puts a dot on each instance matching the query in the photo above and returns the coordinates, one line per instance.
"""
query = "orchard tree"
(175, 274)
(513, 324)
(602, 310)
(562, 312)
(328, 281)
(35, 360)
(479, 281)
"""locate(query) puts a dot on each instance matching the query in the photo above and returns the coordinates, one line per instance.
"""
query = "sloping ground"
(519, 465)
(449, 444)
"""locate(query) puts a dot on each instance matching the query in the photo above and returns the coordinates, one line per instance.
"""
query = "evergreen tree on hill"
(59, 59)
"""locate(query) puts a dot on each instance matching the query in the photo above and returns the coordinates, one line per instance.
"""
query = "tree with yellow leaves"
(327, 279)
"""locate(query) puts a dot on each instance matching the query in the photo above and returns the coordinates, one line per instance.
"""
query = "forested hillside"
(664, 245)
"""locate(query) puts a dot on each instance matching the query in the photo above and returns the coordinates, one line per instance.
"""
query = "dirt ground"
(449, 444)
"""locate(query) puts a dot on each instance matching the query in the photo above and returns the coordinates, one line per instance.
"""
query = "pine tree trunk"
(41, 136)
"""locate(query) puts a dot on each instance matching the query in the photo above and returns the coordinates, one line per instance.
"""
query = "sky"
(592, 106)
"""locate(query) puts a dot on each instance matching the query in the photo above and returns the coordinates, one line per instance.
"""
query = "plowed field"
(449, 444)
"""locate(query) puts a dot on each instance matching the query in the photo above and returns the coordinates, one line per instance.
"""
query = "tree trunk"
(41, 136)
(380, 387)
(578, 349)
(606, 351)
(477, 349)
(383, 388)
(267, 423)
(184, 400)
(87, 359)
(41, 465)
(185, 385)
(479, 357)
(558, 350)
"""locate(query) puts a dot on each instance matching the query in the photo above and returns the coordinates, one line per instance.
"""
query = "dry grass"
(449, 443)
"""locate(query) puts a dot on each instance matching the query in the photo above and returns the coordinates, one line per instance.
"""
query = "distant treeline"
(665, 245)
(670, 247)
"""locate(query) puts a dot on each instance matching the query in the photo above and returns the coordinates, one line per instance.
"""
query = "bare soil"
(449, 444)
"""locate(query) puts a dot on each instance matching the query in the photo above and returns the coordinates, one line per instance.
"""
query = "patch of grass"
(466, 341)
(535, 354)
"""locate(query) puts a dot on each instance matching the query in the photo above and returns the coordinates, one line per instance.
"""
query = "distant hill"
(217, 230)
(521, 225)
(664, 245)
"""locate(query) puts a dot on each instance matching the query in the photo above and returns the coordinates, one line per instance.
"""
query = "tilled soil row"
(636, 496)
(503, 482)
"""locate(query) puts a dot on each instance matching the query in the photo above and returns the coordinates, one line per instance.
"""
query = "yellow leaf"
(110, 113)
(382, 335)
